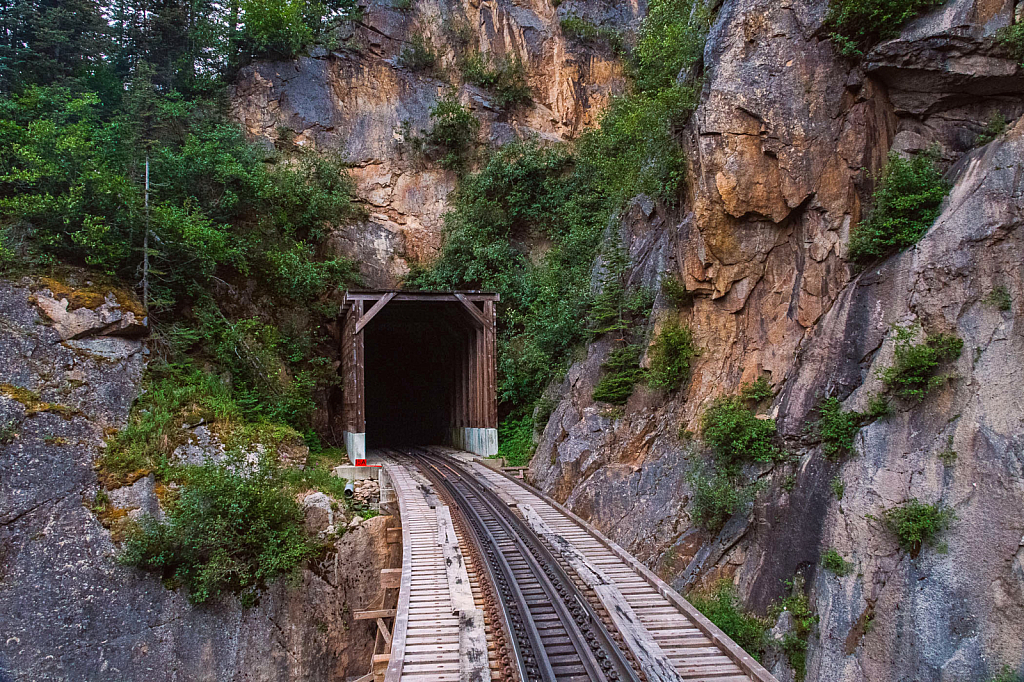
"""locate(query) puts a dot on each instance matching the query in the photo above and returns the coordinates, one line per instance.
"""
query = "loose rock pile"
(367, 491)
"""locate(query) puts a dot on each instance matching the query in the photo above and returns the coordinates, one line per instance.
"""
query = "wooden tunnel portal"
(418, 368)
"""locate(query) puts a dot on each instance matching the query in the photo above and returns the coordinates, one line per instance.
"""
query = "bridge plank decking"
(699, 650)
(425, 645)
(426, 637)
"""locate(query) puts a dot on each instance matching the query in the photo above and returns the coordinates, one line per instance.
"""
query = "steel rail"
(598, 654)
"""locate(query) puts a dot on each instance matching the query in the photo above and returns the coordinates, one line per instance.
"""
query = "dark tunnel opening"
(412, 351)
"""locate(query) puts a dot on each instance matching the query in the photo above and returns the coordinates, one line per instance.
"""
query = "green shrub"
(994, 128)
(173, 395)
(525, 189)
(836, 428)
(670, 41)
(838, 487)
(722, 607)
(878, 407)
(999, 297)
(1012, 39)
(915, 524)
(70, 176)
(912, 375)
(576, 27)
(675, 291)
(756, 392)
(794, 644)
(635, 150)
(736, 435)
(275, 28)
(506, 78)
(858, 25)
(671, 355)
(622, 372)
(418, 55)
(905, 204)
(232, 529)
(715, 498)
(948, 455)
(515, 440)
(401, 4)
(832, 561)
(1007, 674)
(453, 132)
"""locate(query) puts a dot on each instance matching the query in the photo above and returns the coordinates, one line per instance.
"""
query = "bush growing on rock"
(912, 375)
(756, 392)
(905, 204)
(418, 55)
(506, 78)
(671, 355)
(721, 605)
(453, 132)
(916, 524)
(716, 497)
(736, 435)
(622, 373)
(832, 561)
(836, 428)
(857, 25)
(232, 529)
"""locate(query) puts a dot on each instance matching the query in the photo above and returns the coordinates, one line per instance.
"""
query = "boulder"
(319, 515)
(107, 319)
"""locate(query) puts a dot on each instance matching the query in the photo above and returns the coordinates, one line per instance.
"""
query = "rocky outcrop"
(362, 101)
(783, 147)
(68, 610)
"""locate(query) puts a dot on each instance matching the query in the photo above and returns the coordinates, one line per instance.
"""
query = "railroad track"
(556, 635)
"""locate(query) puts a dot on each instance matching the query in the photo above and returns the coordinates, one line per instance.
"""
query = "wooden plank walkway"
(426, 644)
(697, 648)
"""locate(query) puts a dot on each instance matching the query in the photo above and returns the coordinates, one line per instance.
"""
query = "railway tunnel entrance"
(418, 369)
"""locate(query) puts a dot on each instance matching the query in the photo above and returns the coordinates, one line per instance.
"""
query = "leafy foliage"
(671, 354)
(418, 55)
(832, 561)
(231, 529)
(794, 644)
(915, 524)
(70, 172)
(525, 190)
(756, 392)
(1007, 674)
(515, 440)
(906, 202)
(506, 78)
(994, 128)
(722, 607)
(999, 297)
(736, 435)
(838, 487)
(675, 291)
(878, 407)
(859, 25)
(577, 28)
(912, 375)
(453, 132)
(836, 428)
(716, 497)
(622, 372)
(1012, 39)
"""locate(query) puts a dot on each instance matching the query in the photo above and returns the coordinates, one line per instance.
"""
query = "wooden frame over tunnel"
(465, 321)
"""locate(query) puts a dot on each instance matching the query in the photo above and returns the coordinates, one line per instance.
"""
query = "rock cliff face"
(69, 611)
(356, 99)
(783, 147)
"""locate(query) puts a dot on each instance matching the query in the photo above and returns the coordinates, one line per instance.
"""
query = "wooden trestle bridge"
(499, 582)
